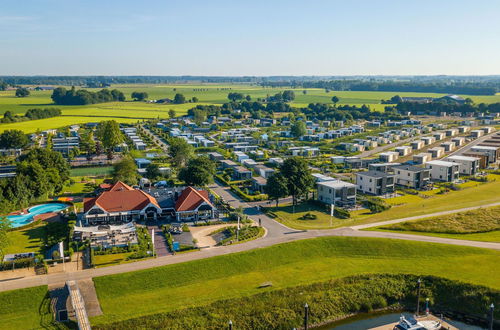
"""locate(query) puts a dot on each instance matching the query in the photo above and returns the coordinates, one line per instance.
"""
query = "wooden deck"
(444, 325)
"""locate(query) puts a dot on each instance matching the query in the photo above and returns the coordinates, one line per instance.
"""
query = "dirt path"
(202, 235)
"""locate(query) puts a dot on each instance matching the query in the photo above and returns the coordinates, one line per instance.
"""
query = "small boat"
(411, 323)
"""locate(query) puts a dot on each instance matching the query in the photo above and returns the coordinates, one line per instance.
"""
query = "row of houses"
(131, 133)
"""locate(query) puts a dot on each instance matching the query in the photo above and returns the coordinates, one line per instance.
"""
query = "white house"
(468, 165)
(375, 182)
(337, 193)
(443, 170)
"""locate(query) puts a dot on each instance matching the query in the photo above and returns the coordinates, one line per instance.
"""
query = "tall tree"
(335, 99)
(199, 172)
(125, 171)
(299, 128)
(171, 113)
(88, 144)
(22, 92)
(153, 172)
(276, 187)
(139, 96)
(110, 135)
(180, 151)
(179, 99)
(13, 139)
(298, 177)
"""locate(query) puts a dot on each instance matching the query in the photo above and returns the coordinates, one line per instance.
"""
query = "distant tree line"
(38, 113)
(40, 173)
(437, 107)
(447, 87)
(31, 114)
(319, 111)
(62, 96)
(3, 85)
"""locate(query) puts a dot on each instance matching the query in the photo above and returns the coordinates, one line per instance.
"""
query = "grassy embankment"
(202, 282)
(404, 206)
(129, 112)
(476, 225)
(26, 309)
(330, 300)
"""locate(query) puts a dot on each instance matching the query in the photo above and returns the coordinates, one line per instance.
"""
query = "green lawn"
(111, 259)
(26, 240)
(26, 309)
(91, 171)
(403, 206)
(492, 236)
(128, 112)
(204, 281)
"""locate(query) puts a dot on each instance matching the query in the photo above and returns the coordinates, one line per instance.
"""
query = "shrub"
(309, 216)
(341, 213)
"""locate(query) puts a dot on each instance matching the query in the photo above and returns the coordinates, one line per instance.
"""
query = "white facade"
(443, 171)
(403, 150)
(467, 165)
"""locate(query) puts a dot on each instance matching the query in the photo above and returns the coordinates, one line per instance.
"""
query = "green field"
(91, 171)
(128, 112)
(201, 282)
(26, 309)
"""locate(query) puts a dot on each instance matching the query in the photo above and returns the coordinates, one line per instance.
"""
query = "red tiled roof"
(105, 186)
(191, 198)
(120, 198)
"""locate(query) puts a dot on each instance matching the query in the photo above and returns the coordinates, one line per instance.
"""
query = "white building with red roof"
(194, 205)
(121, 203)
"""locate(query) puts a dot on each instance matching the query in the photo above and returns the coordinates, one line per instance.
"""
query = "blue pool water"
(24, 219)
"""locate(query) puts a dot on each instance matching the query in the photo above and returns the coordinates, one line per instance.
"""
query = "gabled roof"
(191, 198)
(120, 198)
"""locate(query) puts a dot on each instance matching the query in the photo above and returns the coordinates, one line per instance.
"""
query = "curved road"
(276, 233)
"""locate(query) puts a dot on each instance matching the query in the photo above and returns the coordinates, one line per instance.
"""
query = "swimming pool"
(24, 219)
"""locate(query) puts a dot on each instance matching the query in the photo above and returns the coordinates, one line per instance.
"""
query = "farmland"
(129, 112)
(286, 265)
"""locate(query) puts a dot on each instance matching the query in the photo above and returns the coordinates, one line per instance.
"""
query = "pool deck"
(430, 317)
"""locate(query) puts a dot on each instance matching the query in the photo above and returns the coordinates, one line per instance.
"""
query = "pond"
(372, 320)
(24, 219)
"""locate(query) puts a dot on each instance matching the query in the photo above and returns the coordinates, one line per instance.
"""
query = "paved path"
(160, 241)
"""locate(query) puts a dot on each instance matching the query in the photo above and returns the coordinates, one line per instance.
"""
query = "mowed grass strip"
(26, 309)
(475, 225)
(204, 281)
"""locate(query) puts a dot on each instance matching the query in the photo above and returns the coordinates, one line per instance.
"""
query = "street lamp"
(426, 306)
(306, 316)
(230, 325)
(492, 319)
(419, 283)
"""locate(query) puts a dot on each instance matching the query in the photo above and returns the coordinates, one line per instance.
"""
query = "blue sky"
(273, 37)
